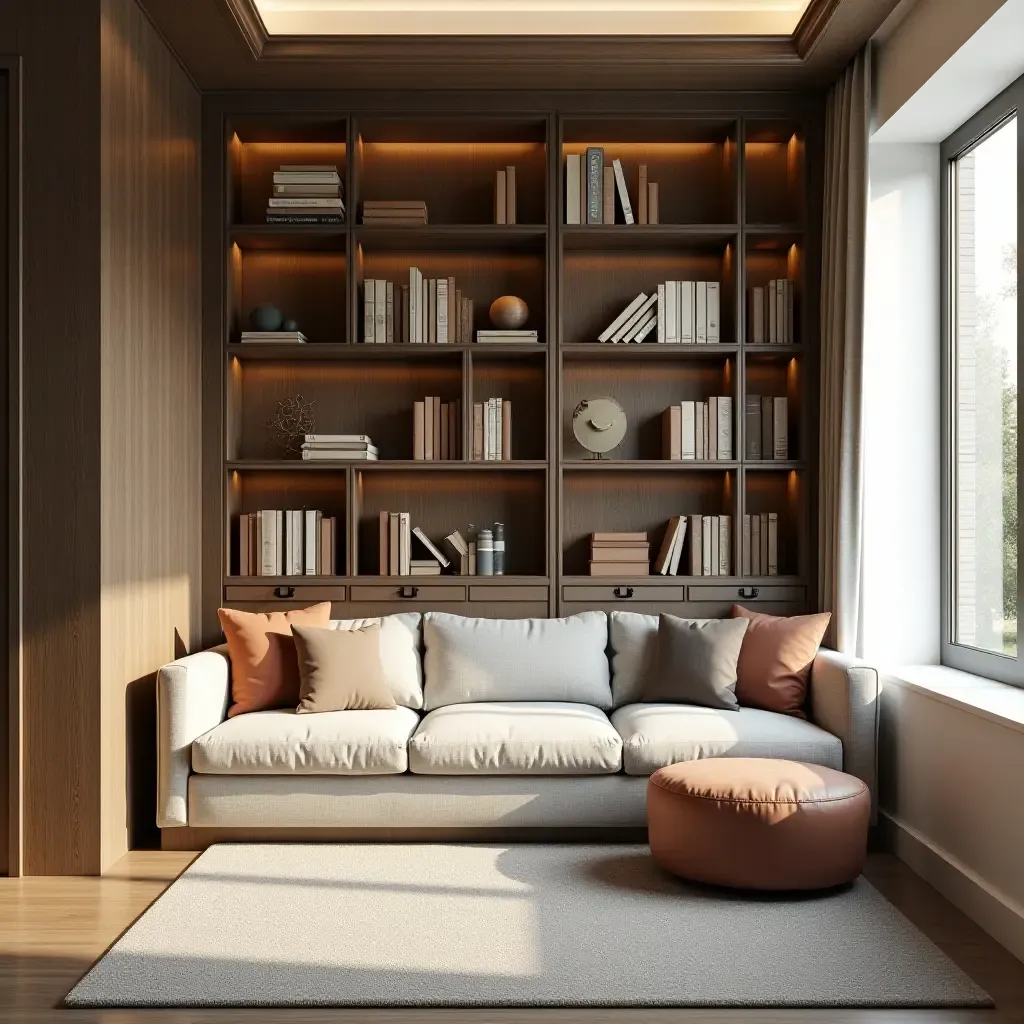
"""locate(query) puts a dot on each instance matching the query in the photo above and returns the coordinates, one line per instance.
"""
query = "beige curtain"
(842, 334)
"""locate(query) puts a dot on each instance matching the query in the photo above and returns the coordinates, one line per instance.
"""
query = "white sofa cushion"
(285, 743)
(528, 738)
(401, 640)
(469, 660)
(654, 735)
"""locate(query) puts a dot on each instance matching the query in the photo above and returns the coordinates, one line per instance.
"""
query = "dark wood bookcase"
(739, 179)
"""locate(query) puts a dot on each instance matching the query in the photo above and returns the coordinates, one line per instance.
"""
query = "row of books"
(759, 544)
(619, 553)
(287, 542)
(424, 311)
(436, 429)
(483, 553)
(592, 187)
(306, 194)
(766, 427)
(772, 313)
(682, 312)
(710, 549)
(395, 213)
(273, 338)
(698, 430)
(492, 430)
(505, 195)
(396, 553)
(338, 448)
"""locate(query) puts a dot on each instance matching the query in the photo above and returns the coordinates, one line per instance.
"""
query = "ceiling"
(650, 45)
(531, 17)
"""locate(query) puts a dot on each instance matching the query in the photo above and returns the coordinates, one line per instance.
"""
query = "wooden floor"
(52, 929)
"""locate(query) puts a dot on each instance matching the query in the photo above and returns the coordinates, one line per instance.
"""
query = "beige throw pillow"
(340, 670)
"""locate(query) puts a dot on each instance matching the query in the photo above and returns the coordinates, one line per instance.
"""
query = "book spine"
(506, 429)
(653, 214)
(706, 546)
(700, 313)
(688, 431)
(696, 555)
(620, 185)
(445, 440)
(389, 313)
(442, 311)
(404, 545)
(641, 194)
(452, 319)
(368, 312)
(478, 432)
(595, 184)
(714, 312)
(755, 545)
(767, 428)
(724, 546)
(752, 426)
(510, 194)
(414, 305)
(432, 311)
(572, 188)
(243, 545)
(780, 311)
(394, 544)
(499, 197)
(424, 309)
(757, 316)
(671, 312)
(428, 429)
(780, 428)
(608, 197)
(671, 427)
(791, 312)
(661, 314)
(745, 547)
(278, 542)
(725, 446)
(686, 300)
(435, 409)
(773, 544)
(404, 314)
(700, 418)
(772, 313)
(312, 536)
(418, 423)
(384, 537)
(712, 430)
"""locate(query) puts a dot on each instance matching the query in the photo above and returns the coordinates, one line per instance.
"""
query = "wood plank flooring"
(52, 929)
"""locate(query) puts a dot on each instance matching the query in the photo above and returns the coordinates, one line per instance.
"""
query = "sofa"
(515, 723)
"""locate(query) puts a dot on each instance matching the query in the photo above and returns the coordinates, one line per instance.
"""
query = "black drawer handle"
(408, 591)
(623, 592)
(749, 592)
(284, 592)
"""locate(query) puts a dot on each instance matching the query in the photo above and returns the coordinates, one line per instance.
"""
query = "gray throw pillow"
(695, 662)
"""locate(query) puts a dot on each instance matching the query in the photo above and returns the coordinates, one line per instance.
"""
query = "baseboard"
(999, 915)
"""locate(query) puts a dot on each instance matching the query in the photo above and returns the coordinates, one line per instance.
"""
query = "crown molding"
(246, 19)
(811, 26)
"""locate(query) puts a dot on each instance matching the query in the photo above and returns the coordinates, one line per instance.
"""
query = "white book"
(687, 298)
(700, 438)
(380, 319)
(298, 542)
(623, 317)
(763, 516)
(312, 537)
(266, 554)
(414, 304)
(289, 545)
(700, 313)
(677, 548)
(696, 555)
(771, 313)
(368, 311)
(572, 188)
(755, 545)
(278, 542)
(745, 547)
(442, 311)
(773, 544)
(712, 428)
(756, 331)
(336, 438)
(661, 314)
(499, 414)
(689, 430)
(424, 309)
(724, 546)
(707, 546)
(780, 428)
(724, 426)
(642, 333)
(389, 318)
(671, 313)
(493, 427)
(404, 545)
(430, 546)
(714, 312)
(620, 185)
(639, 317)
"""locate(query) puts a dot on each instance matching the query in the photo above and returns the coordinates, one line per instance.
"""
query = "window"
(983, 342)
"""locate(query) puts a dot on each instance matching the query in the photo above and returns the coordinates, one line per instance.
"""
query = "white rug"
(415, 925)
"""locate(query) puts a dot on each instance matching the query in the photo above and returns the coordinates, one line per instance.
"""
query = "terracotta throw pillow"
(340, 670)
(264, 667)
(775, 660)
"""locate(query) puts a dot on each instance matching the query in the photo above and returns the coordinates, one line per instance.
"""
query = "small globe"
(266, 318)
(290, 325)
(509, 313)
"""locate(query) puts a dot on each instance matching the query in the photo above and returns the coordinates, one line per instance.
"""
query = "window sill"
(998, 702)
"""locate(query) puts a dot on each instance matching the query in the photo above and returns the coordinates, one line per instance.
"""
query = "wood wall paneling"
(9, 683)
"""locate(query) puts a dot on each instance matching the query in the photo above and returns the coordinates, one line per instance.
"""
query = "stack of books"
(592, 187)
(306, 194)
(698, 430)
(710, 545)
(339, 448)
(436, 429)
(289, 542)
(619, 554)
(273, 338)
(505, 196)
(395, 213)
(772, 314)
(760, 544)
(465, 551)
(396, 548)
(766, 427)
(492, 430)
(426, 311)
(491, 337)
(677, 312)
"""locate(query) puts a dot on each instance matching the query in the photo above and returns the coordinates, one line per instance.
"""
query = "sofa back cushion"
(401, 640)
(633, 639)
(469, 660)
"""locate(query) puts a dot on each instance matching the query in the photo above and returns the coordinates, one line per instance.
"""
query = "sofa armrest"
(845, 702)
(191, 698)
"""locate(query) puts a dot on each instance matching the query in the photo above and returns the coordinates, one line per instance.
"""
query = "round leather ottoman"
(758, 823)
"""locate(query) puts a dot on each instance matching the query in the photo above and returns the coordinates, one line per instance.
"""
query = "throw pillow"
(340, 670)
(775, 662)
(695, 662)
(264, 669)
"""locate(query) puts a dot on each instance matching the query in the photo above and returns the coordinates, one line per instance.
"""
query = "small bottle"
(485, 553)
(499, 549)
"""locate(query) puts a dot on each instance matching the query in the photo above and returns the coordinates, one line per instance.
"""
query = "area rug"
(493, 926)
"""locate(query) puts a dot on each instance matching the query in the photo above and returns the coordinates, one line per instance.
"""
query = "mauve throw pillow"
(695, 662)
(340, 670)
(264, 668)
(775, 662)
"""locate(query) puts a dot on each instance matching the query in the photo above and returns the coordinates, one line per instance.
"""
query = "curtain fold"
(840, 508)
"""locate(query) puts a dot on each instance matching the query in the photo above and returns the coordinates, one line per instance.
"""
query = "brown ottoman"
(758, 823)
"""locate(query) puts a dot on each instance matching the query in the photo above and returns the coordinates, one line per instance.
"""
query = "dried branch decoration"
(290, 424)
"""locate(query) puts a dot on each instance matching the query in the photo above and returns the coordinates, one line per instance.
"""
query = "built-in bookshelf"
(736, 206)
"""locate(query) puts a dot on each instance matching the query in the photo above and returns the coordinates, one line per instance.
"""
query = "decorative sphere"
(509, 313)
(266, 318)
(290, 325)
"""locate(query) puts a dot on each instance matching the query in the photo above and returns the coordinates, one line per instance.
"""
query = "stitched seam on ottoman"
(741, 800)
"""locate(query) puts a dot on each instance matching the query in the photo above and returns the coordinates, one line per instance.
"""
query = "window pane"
(985, 526)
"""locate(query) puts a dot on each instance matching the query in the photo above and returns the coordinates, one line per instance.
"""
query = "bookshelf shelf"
(736, 206)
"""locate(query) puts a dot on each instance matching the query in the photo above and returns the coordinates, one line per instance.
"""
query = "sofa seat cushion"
(656, 735)
(515, 738)
(286, 743)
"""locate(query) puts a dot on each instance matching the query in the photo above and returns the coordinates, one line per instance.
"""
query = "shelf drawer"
(417, 592)
(284, 592)
(510, 593)
(750, 594)
(622, 593)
